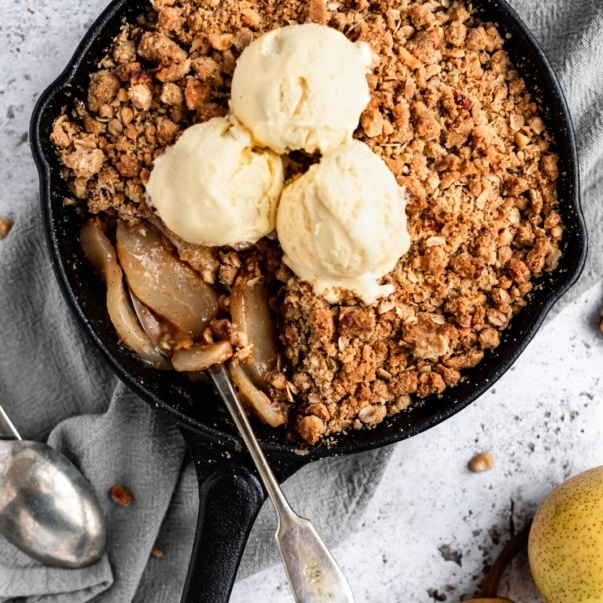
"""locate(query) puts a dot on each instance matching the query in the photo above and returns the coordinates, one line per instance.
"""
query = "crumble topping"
(456, 125)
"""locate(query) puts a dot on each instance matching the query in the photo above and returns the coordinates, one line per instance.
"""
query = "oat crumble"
(453, 120)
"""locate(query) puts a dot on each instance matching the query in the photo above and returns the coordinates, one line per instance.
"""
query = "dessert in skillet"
(414, 203)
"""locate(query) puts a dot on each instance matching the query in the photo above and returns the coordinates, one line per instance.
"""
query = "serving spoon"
(313, 573)
(47, 508)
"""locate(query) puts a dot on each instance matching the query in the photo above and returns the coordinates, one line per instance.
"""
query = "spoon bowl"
(47, 509)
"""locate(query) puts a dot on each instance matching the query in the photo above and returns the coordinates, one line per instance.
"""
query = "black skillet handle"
(230, 497)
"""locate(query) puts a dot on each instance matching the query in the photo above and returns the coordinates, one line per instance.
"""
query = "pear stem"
(512, 548)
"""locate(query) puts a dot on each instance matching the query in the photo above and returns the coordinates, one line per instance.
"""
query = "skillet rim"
(574, 233)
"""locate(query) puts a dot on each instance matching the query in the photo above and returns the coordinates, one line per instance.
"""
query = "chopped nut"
(408, 58)
(552, 259)
(317, 12)
(221, 42)
(516, 121)
(537, 125)
(515, 216)
(521, 140)
(173, 72)
(121, 496)
(372, 414)
(372, 122)
(433, 241)
(171, 94)
(196, 94)
(141, 96)
(481, 462)
(250, 18)
(496, 318)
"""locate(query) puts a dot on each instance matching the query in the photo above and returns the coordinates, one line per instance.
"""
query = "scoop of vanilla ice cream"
(213, 188)
(301, 87)
(343, 223)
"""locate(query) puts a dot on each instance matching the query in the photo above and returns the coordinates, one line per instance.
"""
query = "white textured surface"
(37, 39)
(432, 526)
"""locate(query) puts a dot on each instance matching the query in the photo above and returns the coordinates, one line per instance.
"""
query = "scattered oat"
(317, 12)
(481, 462)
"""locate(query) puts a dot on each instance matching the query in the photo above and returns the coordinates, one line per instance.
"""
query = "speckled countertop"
(432, 526)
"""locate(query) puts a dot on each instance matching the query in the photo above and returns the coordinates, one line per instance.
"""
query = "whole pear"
(565, 546)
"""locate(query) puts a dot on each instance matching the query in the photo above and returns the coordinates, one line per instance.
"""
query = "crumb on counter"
(158, 553)
(5, 225)
(481, 462)
(121, 496)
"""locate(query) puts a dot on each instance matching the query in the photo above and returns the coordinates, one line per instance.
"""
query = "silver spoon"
(313, 573)
(47, 508)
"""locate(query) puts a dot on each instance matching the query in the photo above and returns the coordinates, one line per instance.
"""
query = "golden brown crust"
(452, 119)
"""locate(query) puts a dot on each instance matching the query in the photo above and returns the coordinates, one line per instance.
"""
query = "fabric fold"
(55, 385)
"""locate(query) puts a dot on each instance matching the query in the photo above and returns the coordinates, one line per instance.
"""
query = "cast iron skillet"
(230, 494)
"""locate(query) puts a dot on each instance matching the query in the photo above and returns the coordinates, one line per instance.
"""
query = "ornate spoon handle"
(313, 573)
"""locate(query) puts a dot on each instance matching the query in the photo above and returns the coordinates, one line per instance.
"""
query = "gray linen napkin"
(53, 384)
